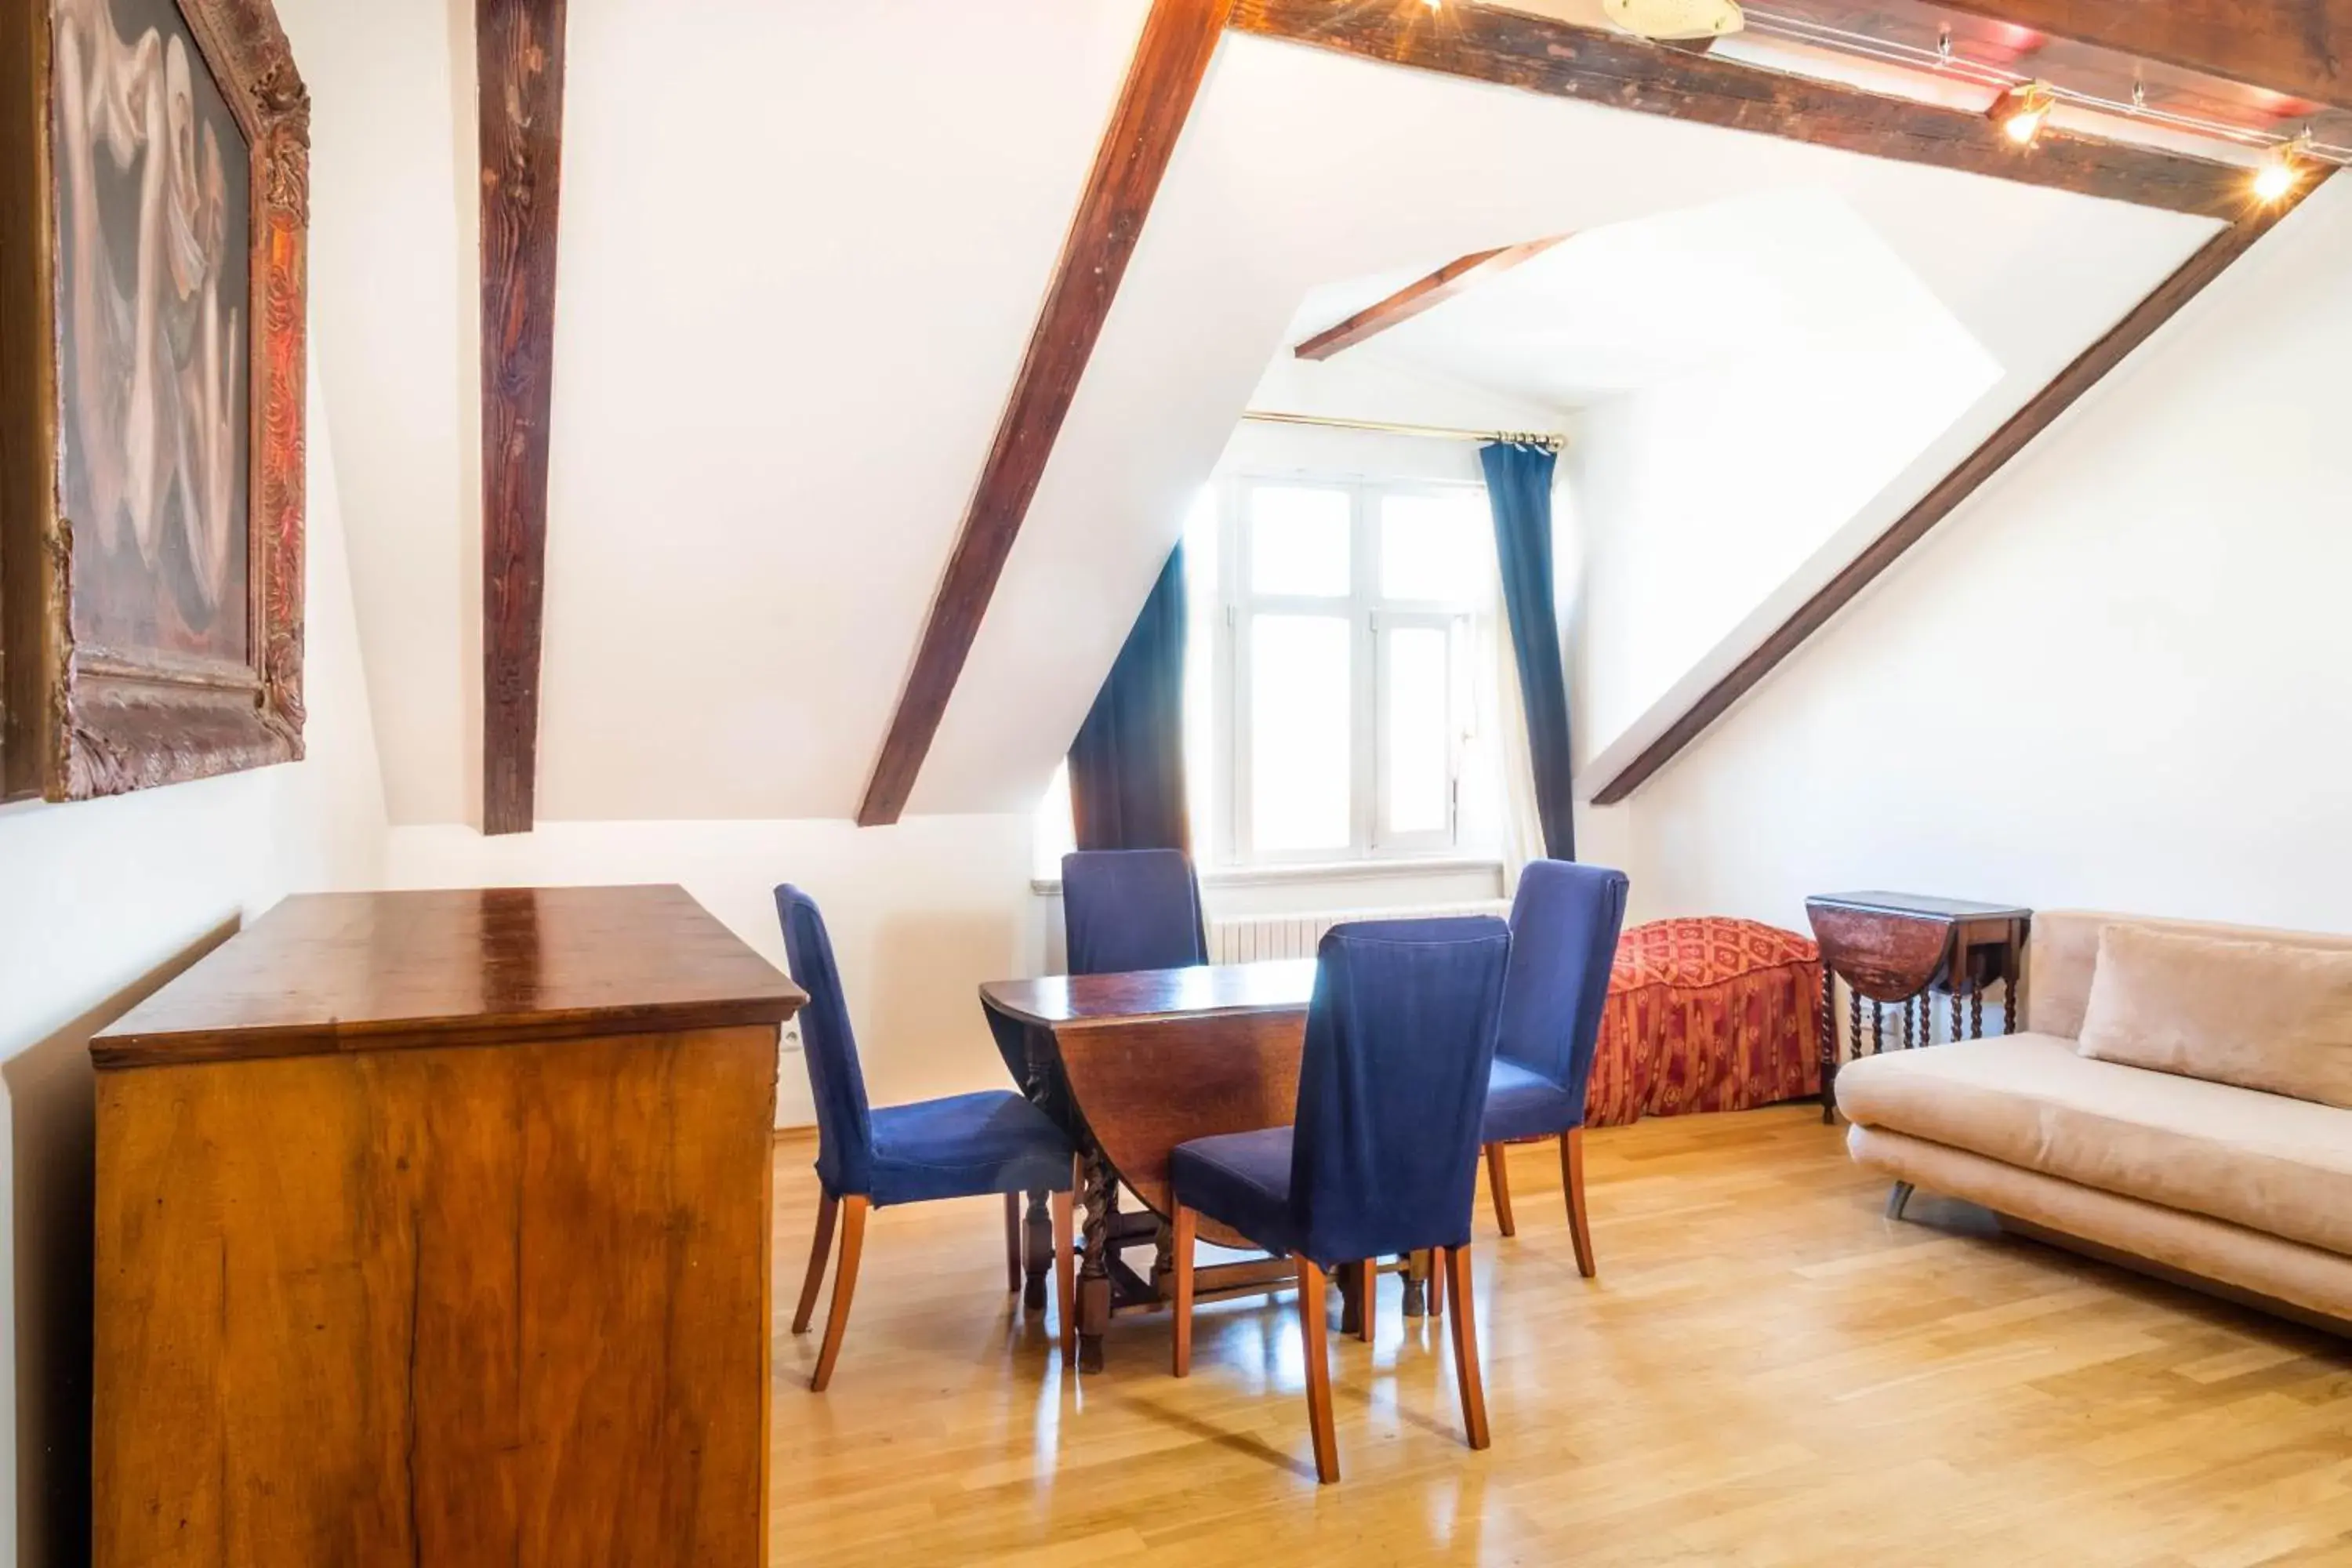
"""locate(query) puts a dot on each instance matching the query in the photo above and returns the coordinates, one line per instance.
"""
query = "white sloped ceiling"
(804, 247)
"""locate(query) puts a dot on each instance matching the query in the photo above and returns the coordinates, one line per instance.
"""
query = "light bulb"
(2278, 176)
(2022, 112)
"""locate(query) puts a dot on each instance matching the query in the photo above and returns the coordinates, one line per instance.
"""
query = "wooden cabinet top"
(361, 971)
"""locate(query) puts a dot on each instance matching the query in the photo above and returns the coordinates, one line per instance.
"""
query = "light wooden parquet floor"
(1766, 1372)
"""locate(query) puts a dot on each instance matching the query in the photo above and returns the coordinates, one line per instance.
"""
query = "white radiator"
(1247, 939)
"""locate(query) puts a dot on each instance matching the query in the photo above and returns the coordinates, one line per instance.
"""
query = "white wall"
(99, 903)
(394, 288)
(1695, 496)
(920, 915)
(2120, 676)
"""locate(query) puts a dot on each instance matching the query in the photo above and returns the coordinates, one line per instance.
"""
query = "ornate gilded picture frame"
(155, 208)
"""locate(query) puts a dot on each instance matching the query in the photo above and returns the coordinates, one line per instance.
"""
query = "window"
(1339, 698)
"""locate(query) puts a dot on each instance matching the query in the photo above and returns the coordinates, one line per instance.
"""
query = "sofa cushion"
(2062, 953)
(2256, 1014)
(2275, 1164)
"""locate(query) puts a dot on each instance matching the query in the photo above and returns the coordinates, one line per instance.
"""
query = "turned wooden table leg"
(1350, 1278)
(1829, 1045)
(1037, 1253)
(1094, 1268)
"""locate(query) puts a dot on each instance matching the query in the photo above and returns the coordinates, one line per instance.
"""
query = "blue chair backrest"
(1131, 908)
(844, 1149)
(1392, 1085)
(1564, 927)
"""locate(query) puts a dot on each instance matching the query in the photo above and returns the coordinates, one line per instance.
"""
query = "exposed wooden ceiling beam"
(1420, 295)
(2303, 47)
(1170, 59)
(1541, 55)
(518, 50)
(2012, 437)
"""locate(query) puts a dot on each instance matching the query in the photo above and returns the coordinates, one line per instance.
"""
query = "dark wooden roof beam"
(1178, 38)
(1420, 295)
(1615, 70)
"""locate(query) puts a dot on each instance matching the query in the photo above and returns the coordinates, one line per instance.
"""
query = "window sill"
(1282, 875)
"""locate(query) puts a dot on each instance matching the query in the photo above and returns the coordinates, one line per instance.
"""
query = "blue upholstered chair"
(1383, 1156)
(1564, 927)
(1125, 910)
(966, 1146)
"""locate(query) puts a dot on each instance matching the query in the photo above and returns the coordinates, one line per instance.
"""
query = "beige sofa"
(2236, 1188)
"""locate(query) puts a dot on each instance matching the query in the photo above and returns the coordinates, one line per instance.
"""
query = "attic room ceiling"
(1391, 173)
(1641, 304)
(2028, 134)
(768, 412)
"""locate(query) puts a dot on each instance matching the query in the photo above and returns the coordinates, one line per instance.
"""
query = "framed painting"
(154, 198)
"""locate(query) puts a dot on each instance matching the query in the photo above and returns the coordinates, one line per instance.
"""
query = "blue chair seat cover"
(993, 1141)
(1565, 921)
(965, 1146)
(1242, 1180)
(1523, 1103)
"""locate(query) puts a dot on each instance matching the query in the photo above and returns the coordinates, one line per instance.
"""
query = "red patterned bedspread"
(1707, 1014)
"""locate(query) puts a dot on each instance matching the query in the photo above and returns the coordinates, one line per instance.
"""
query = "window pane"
(1298, 540)
(1432, 547)
(1419, 736)
(1299, 758)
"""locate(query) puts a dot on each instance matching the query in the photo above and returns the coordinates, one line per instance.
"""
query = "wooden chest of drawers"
(434, 1227)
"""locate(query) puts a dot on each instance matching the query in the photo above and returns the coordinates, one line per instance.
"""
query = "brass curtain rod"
(1384, 428)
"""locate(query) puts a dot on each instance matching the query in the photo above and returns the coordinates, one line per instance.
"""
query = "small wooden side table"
(1896, 948)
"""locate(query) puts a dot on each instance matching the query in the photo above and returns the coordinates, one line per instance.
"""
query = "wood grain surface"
(1541, 55)
(519, 53)
(1146, 1087)
(1886, 957)
(1052, 1000)
(440, 1306)
(341, 971)
(1767, 1374)
(1171, 58)
(2301, 47)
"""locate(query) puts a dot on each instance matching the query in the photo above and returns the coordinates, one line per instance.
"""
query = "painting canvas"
(154, 235)
(155, 215)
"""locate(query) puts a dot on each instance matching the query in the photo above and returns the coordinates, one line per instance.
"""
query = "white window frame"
(1370, 619)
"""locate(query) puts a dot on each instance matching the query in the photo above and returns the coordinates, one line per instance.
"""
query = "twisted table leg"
(1101, 1199)
(1037, 1253)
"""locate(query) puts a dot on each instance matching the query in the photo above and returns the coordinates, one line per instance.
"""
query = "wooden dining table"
(1133, 1065)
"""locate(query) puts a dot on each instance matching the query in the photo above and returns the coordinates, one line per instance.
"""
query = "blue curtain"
(1519, 487)
(1127, 766)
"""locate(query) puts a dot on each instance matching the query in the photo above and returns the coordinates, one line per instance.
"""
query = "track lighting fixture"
(2023, 110)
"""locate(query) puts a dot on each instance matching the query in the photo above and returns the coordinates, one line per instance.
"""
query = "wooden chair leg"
(1437, 1283)
(1013, 1241)
(1066, 1273)
(1571, 1177)
(1180, 1262)
(819, 1250)
(845, 1287)
(1312, 1308)
(1368, 1291)
(1466, 1348)
(1498, 1181)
